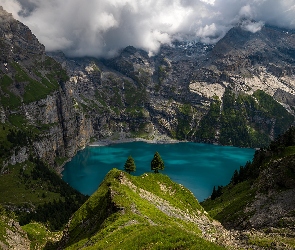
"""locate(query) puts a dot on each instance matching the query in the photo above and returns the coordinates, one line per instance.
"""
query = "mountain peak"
(18, 36)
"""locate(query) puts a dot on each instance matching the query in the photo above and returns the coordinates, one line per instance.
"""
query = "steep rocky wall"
(35, 101)
(62, 130)
(67, 129)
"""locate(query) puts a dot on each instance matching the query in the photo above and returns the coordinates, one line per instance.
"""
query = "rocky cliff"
(192, 91)
(34, 100)
(12, 235)
(229, 93)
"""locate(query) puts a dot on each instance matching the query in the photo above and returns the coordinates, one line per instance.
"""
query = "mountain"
(238, 92)
(261, 196)
(39, 129)
(144, 212)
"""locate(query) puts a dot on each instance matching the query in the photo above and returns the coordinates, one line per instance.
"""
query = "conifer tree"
(130, 165)
(213, 195)
(157, 163)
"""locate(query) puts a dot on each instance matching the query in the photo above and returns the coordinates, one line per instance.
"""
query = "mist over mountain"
(101, 28)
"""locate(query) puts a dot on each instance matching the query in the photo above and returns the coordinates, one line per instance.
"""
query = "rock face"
(13, 236)
(229, 93)
(34, 99)
(171, 93)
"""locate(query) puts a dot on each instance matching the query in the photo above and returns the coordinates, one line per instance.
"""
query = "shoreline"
(109, 141)
(106, 142)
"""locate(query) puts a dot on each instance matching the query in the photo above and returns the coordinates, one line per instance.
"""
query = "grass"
(288, 151)
(148, 237)
(117, 216)
(10, 99)
(61, 160)
(34, 90)
(3, 227)
(229, 206)
(18, 121)
(39, 235)
(18, 191)
(181, 196)
(4, 130)
(271, 241)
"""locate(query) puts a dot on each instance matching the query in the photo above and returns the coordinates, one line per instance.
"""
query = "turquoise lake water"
(197, 166)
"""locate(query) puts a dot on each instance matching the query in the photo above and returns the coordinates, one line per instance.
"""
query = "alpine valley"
(239, 91)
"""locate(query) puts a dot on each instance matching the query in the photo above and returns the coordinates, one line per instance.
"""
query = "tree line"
(251, 170)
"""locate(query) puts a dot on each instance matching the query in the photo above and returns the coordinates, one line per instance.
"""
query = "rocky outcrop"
(69, 129)
(14, 237)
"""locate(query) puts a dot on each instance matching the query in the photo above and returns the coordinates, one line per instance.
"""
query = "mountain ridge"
(143, 203)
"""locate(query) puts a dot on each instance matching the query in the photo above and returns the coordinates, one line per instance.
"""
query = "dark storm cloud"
(27, 7)
(102, 27)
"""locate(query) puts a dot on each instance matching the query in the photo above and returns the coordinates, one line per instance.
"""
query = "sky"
(101, 28)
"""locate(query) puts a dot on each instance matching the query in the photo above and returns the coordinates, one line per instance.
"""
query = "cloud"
(252, 26)
(102, 27)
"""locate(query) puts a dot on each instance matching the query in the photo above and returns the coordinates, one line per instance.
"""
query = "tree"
(129, 165)
(213, 195)
(235, 178)
(157, 163)
(216, 193)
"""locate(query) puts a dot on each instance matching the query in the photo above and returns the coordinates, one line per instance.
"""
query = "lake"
(197, 166)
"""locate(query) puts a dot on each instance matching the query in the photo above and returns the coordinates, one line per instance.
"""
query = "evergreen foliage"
(244, 120)
(130, 165)
(278, 148)
(157, 163)
(209, 123)
(185, 117)
(19, 137)
(216, 193)
(55, 214)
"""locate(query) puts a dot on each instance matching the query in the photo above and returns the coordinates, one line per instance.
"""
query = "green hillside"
(145, 212)
(261, 196)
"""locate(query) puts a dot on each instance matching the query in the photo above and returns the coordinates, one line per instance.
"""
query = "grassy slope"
(39, 235)
(230, 204)
(230, 207)
(18, 191)
(145, 212)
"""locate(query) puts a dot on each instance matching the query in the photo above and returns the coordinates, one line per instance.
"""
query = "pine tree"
(130, 165)
(157, 163)
(213, 195)
(216, 193)
(235, 178)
